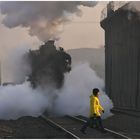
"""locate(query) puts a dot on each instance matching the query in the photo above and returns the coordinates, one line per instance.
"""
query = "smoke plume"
(43, 19)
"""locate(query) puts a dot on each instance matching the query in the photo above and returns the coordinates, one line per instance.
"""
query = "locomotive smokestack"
(50, 42)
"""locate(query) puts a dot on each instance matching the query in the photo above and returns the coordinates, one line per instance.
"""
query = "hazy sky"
(82, 32)
(85, 31)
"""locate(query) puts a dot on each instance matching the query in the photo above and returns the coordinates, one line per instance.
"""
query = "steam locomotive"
(48, 65)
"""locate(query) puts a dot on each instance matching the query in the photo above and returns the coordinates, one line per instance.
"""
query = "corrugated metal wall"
(122, 60)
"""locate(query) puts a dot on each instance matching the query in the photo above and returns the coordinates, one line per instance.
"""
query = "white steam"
(44, 19)
(14, 65)
(73, 98)
(21, 100)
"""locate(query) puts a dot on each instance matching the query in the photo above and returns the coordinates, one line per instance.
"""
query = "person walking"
(95, 113)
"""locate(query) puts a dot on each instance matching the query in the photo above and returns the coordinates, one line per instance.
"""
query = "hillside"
(94, 56)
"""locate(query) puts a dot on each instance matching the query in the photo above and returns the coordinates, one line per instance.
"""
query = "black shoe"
(83, 131)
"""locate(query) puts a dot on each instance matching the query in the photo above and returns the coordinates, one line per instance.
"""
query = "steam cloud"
(44, 19)
(14, 65)
(73, 98)
(20, 100)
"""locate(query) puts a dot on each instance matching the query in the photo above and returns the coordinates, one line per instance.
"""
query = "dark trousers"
(93, 121)
(99, 121)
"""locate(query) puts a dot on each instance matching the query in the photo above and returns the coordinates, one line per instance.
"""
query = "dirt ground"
(28, 127)
(125, 124)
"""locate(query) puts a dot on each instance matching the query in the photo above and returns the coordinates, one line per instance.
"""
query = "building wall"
(122, 59)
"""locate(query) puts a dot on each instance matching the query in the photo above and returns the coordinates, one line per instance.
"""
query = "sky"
(85, 31)
(81, 32)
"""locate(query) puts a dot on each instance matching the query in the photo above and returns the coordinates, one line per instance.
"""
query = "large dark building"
(122, 58)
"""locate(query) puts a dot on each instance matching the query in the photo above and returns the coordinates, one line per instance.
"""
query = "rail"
(64, 124)
(70, 134)
(108, 130)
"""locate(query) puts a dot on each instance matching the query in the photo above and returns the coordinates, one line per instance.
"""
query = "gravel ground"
(28, 127)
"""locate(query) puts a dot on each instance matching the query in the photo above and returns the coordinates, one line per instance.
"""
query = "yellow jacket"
(95, 107)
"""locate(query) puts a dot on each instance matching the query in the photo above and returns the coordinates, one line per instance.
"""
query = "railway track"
(71, 126)
(119, 135)
(58, 126)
